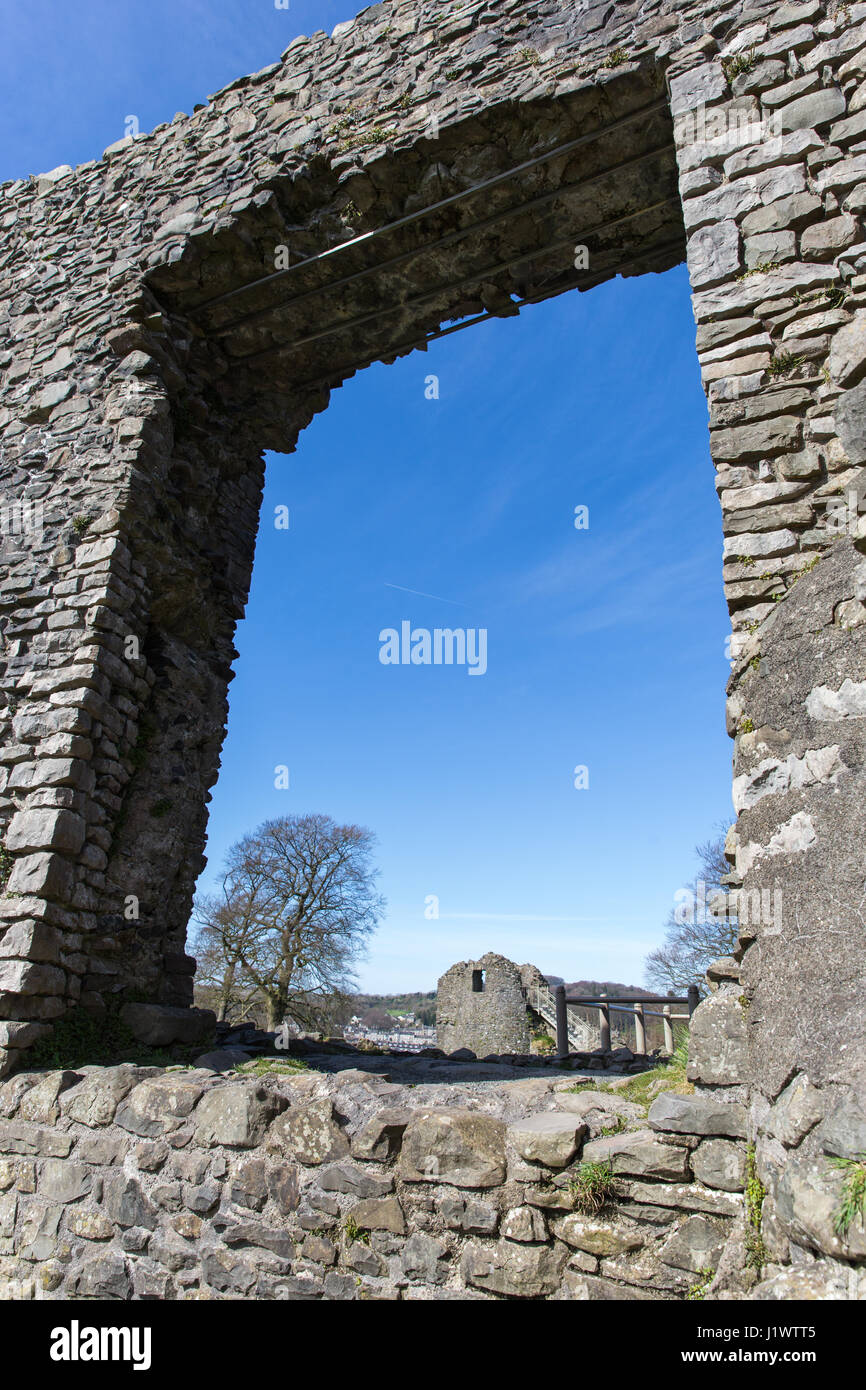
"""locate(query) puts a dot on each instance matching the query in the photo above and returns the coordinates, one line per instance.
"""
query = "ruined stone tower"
(480, 1005)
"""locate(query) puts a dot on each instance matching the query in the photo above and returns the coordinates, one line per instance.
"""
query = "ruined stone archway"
(152, 353)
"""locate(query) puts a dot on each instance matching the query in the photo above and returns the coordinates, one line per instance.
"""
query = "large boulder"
(458, 1147)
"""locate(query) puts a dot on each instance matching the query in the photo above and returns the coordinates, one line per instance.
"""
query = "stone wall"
(131, 1182)
(486, 1020)
(139, 389)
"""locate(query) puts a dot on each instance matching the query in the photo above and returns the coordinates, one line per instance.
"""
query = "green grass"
(592, 1187)
(738, 63)
(784, 363)
(352, 1231)
(361, 139)
(754, 1193)
(643, 1088)
(698, 1291)
(762, 268)
(852, 1201)
(271, 1066)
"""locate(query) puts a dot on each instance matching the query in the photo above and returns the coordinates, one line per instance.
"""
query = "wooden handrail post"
(604, 1010)
(639, 1029)
(694, 999)
(561, 1022)
(668, 1027)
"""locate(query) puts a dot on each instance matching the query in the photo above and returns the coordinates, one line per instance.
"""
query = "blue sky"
(605, 646)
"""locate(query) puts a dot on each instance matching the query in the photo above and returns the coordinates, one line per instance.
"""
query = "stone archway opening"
(517, 205)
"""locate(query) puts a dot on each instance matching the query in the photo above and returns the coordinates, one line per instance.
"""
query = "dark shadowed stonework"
(141, 382)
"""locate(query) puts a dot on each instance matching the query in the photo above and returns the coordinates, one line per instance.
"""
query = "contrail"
(421, 594)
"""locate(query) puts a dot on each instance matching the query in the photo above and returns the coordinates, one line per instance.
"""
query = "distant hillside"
(595, 987)
(423, 1006)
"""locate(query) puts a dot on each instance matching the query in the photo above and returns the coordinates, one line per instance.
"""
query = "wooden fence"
(637, 1007)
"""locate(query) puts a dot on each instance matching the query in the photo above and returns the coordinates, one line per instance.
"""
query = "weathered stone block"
(697, 1115)
(358, 1182)
(518, 1271)
(456, 1147)
(550, 1138)
(309, 1133)
(45, 830)
(94, 1100)
(798, 1109)
(718, 1041)
(847, 362)
(158, 1106)
(638, 1154)
(423, 1259)
(382, 1136)
(379, 1214)
(695, 1246)
(721, 1164)
(236, 1115)
(596, 1237)
(524, 1224)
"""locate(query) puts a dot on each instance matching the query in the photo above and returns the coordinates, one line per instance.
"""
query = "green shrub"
(591, 1187)
(852, 1202)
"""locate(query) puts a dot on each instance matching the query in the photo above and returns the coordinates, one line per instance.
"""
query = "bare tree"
(298, 901)
(694, 936)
